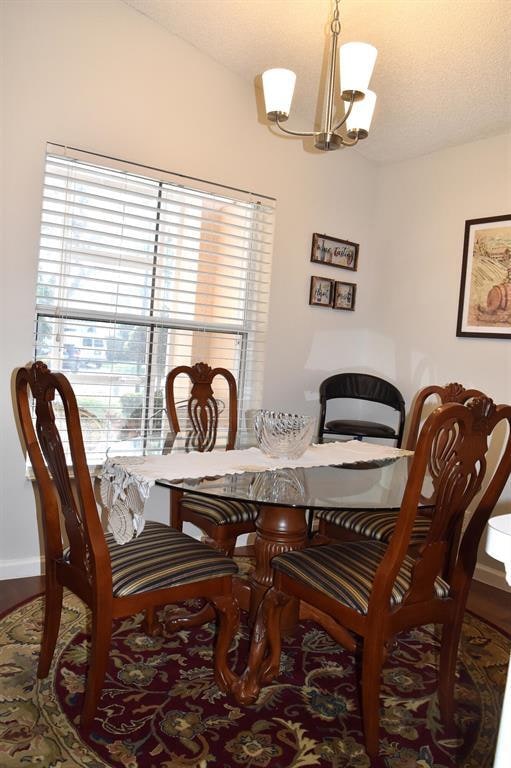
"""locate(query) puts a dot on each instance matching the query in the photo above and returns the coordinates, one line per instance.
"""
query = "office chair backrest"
(361, 386)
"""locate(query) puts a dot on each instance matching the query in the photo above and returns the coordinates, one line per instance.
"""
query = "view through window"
(141, 272)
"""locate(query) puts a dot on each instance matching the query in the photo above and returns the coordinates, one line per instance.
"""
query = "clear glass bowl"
(283, 435)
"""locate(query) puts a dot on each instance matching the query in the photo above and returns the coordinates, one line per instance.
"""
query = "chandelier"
(356, 67)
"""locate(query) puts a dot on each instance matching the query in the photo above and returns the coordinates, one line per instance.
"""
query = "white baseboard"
(21, 568)
(491, 576)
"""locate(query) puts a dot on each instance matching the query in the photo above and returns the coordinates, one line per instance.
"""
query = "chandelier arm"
(347, 114)
(347, 143)
(294, 133)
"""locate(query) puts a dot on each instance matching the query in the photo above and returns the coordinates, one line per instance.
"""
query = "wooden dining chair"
(222, 520)
(374, 591)
(158, 567)
(379, 524)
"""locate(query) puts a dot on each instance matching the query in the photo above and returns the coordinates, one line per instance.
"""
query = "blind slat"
(137, 275)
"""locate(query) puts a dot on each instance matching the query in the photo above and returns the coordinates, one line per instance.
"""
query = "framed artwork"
(485, 292)
(334, 252)
(321, 291)
(344, 295)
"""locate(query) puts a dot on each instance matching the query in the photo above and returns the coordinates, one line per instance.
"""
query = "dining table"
(364, 475)
(286, 497)
(372, 477)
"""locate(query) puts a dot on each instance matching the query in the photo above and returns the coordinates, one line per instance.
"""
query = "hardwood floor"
(14, 591)
(489, 603)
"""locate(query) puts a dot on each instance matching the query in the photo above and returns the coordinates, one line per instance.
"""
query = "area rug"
(161, 708)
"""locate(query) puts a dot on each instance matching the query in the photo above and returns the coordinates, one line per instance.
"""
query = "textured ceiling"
(442, 76)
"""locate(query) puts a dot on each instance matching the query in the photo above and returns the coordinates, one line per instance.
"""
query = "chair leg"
(149, 625)
(447, 668)
(229, 619)
(100, 646)
(52, 614)
(175, 511)
(224, 545)
(310, 523)
(333, 532)
(373, 655)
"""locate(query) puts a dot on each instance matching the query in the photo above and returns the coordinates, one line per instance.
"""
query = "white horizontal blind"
(138, 274)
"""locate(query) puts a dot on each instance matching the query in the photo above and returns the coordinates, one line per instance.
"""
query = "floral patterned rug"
(161, 709)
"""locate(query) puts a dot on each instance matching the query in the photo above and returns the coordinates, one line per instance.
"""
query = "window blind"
(140, 272)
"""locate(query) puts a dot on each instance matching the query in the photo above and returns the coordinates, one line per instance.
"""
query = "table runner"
(126, 481)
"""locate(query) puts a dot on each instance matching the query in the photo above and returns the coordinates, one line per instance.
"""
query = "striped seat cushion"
(345, 572)
(162, 557)
(220, 511)
(376, 524)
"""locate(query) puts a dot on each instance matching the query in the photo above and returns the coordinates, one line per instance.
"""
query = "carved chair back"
(88, 553)
(203, 407)
(439, 395)
(452, 447)
(426, 399)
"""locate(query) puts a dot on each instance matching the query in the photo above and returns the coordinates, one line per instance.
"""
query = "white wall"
(422, 208)
(99, 76)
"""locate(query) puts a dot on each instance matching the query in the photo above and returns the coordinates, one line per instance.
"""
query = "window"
(138, 273)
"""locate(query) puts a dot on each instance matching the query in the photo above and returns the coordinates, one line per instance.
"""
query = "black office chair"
(360, 386)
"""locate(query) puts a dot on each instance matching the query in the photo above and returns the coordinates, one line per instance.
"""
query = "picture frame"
(484, 308)
(344, 295)
(334, 252)
(321, 291)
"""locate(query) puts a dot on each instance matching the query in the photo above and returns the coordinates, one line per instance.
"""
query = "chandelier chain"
(335, 26)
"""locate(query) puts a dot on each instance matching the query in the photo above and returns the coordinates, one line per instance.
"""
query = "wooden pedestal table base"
(278, 529)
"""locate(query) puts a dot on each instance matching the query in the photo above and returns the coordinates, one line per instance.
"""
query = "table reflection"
(364, 485)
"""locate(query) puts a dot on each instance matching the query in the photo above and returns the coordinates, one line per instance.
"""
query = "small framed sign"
(344, 295)
(334, 252)
(321, 291)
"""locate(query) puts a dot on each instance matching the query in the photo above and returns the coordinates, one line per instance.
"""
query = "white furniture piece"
(498, 545)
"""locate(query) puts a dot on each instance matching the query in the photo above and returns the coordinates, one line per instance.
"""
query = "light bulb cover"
(359, 119)
(278, 88)
(356, 62)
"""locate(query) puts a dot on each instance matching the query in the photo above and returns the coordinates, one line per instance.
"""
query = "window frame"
(239, 330)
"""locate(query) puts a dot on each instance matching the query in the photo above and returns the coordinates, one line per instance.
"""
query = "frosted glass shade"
(278, 87)
(356, 62)
(359, 119)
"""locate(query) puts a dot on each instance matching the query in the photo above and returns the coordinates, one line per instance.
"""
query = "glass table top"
(312, 488)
